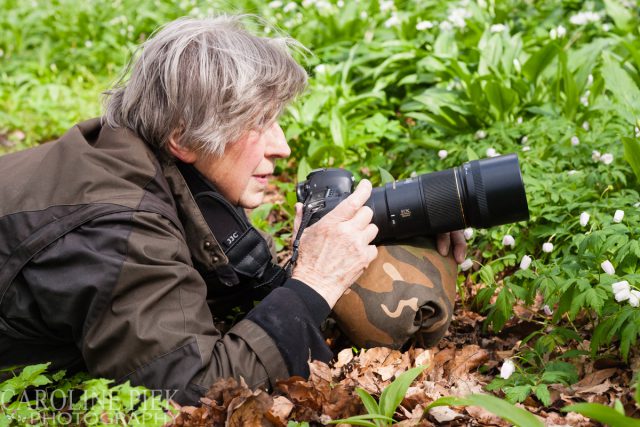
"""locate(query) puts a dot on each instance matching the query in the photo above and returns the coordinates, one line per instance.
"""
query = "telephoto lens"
(480, 194)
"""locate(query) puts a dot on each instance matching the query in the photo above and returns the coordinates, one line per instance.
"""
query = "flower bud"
(525, 262)
(584, 218)
(508, 240)
(547, 247)
(468, 233)
(507, 369)
(607, 267)
(617, 217)
(466, 264)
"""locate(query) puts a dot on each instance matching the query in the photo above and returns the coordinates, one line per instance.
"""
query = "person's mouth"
(262, 178)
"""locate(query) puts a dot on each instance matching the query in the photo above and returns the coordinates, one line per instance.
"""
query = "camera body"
(480, 194)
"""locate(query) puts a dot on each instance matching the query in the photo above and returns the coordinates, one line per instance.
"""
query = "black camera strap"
(247, 251)
(306, 218)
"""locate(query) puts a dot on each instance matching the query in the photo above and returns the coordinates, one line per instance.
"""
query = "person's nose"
(277, 145)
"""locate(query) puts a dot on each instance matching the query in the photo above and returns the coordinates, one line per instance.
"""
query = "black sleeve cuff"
(318, 307)
(294, 325)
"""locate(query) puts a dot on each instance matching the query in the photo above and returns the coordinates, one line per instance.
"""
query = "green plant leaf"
(536, 64)
(385, 175)
(603, 414)
(393, 394)
(632, 154)
(501, 408)
(369, 402)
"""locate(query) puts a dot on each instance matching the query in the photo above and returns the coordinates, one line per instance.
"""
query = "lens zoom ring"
(481, 196)
(441, 200)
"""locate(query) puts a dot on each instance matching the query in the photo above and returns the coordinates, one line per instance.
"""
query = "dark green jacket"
(98, 240)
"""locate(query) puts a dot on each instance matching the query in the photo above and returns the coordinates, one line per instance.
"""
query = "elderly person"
(120, 240)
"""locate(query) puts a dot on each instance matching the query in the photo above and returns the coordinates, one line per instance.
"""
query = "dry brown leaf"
(249, 411)
(280, 409)
(467, 359)
(344, 357)
(484, 417)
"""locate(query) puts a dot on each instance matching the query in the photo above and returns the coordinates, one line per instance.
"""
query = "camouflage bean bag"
(407, 292)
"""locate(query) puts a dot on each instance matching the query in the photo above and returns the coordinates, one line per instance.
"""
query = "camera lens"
(480, 194)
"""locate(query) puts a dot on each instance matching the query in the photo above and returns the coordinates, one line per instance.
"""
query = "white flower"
(386, 5)
(480, 134)
(307, 3)
(634, 299)
(606, 158)
(320, 69)
(607, 267)
(88, 43)
(572, 172)
(637, 132)
(466, 264)
(621, 290)
(497, 28)
(2, 54)
(526, 148)
(584, 18)
(524, 139)
(457, 17)
(584, 218)
(491, 152)
(547, 247)
(595, 155)
(525, 262)
(584, 100)
(618, 215)
(585, 126)
(575, 140)
(547, 310)
(516, 65)
(424, 25)
(519, 120)
(445, 26)
(443, 154)
(393, 21)
(507, 369)
(562, 31)
(275, 4)
(508, 240)
(364, 15)
(636, 205)
(620, 286)
(340, 3)
(290, 6)
(468, 233)
(589, 79)
(606, 27)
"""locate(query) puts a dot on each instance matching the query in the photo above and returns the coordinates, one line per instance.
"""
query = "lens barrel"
(480, 194)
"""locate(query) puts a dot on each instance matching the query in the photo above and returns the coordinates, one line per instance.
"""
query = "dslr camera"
(480, 194)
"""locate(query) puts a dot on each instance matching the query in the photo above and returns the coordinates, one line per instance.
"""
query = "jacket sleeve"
(146, 318)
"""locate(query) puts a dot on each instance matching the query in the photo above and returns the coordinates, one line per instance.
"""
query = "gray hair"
(207, 82)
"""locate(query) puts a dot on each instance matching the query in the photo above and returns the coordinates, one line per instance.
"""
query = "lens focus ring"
(443, 204)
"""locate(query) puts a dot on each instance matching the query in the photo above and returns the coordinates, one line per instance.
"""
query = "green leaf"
(536, 64)
(501, 97)
(369, 402)
(303, 169)
(621, 16)
(632, 154)
(542, 393)
(603, 414)
(363, 420)
(385, 176)
(393, 394)
(471, 155)
(623, 88)
(518, 393)
(501, 408)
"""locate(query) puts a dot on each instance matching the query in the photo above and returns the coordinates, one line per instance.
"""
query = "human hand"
(445, 240)
(335, 251)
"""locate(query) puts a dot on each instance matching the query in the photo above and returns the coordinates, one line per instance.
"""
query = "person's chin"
(252, 201)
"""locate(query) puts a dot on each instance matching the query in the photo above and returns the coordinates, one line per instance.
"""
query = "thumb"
(347, 208)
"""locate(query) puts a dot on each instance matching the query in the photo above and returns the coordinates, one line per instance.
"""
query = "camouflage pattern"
(407, 292)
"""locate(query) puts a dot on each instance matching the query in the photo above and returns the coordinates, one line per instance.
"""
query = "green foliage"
(381, 413)
(33, 397)
(603, 414)
(505, 410)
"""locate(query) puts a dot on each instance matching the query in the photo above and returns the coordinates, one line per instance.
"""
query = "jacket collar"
(205, 249)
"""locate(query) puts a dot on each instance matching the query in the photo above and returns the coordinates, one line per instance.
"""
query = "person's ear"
(179, 151)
